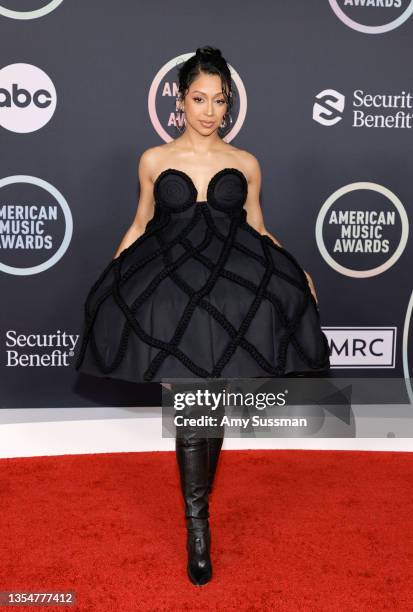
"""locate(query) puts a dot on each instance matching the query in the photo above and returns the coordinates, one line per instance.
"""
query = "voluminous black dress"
(201, 293)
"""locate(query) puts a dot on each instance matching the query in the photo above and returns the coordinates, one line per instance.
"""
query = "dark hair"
(210, 60)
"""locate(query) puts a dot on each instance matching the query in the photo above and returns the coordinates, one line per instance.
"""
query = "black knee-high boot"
(214, 450)
(192, 457)
(215, 445)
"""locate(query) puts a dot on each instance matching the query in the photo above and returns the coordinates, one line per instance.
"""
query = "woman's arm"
(252, 205)
(146, 205)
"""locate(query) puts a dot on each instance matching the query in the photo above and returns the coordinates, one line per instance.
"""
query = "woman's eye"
(197, 98)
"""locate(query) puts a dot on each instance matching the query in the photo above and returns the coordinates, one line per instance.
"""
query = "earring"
(180, 124)
(224, 123)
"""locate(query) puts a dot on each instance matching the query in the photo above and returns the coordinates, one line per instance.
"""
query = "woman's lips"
(206, 124)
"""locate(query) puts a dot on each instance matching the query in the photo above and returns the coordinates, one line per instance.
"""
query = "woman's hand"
(311, 284)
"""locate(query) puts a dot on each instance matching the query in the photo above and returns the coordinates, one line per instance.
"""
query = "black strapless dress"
(201, 293)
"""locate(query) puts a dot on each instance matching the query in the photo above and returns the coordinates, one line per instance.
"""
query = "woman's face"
(204, 104)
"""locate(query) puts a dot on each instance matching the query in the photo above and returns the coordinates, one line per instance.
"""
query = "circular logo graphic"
(363, 11)
(362, 229)
(33, 14)
(162, 95)
(30, 227)
(407, 346)
(27, 98)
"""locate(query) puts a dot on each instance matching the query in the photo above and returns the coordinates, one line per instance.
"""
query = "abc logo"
(27, 98)
(19, 92)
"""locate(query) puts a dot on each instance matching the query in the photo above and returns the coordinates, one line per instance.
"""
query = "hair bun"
(212, 51)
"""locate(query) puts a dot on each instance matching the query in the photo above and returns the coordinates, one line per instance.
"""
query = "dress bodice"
(175, 191)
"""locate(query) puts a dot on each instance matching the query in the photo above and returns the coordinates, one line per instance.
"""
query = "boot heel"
(199, 567)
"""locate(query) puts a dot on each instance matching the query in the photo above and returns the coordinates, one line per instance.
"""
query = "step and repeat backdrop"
(324, 100)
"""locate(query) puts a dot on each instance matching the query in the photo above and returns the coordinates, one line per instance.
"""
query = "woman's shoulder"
(246, 156)
(246, 160)
(152, 158)
(154, 153)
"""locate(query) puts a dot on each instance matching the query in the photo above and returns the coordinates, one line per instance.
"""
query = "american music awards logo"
(18, 13)
(162, 101)
(372, 16)
(362, 229)
(36, 225)
(368, 109)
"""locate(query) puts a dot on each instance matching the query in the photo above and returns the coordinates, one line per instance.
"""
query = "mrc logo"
(362, 347)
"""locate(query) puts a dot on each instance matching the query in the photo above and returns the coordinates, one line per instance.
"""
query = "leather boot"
(192, 458)
(214, 450)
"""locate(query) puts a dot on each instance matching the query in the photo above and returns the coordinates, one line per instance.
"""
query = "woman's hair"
(209, 60)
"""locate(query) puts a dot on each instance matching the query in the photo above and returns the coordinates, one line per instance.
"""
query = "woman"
(198, 287)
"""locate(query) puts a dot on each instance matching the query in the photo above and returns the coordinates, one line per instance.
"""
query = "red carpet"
(291, 530)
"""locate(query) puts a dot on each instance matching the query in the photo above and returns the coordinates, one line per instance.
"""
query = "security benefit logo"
(27, 98)
(372, 16)
(365, 109)
(36, 225)
(362, 229)
(362, 347)
(39, 350)
(168, 121)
